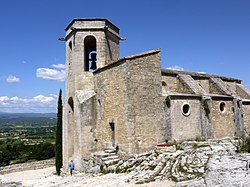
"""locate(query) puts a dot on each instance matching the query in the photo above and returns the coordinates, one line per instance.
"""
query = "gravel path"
(46, 177)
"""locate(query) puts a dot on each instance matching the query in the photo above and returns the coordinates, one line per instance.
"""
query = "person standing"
(71, 167)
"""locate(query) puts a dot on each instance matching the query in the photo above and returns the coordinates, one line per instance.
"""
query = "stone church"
(132, 104)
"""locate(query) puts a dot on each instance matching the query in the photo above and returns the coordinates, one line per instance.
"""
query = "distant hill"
(27, 115)
(12, 119)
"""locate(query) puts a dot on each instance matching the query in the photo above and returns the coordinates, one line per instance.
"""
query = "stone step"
(166, 148)
(111, 162)
(103, 154)
(109, 158)
(110, 150)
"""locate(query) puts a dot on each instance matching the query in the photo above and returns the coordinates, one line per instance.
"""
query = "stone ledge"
(27, 166)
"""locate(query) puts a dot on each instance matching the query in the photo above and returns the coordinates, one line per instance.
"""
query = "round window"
(186, 109)
(222, 107)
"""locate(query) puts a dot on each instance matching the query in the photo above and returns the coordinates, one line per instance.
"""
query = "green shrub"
(245, 145)
(206, 107)
(199, 138)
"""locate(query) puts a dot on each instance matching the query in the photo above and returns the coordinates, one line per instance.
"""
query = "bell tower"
(90, 44)
(87, 38)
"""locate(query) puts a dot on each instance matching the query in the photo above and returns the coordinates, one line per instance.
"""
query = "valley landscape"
(26, 137)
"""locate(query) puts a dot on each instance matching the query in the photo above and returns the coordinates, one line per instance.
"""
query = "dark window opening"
(186, 109)
(164, 83)
(90, 53)
(71, 103)
(99, 102)
(222, 107)
(238, 104)
(112, 126)
(70, 45)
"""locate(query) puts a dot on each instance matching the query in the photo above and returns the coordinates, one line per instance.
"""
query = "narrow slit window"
(71, 103)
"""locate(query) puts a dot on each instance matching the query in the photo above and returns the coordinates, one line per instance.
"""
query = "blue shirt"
(71, 165)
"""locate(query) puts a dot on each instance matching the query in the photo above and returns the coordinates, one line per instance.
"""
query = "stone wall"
(146, 104)
(238, 117)
(215, 88)
(183, 87)
(84, 140)
(212, 121)
(242, 91)
(110, 88)
(129, 95)
(112, 48)
(107, 38)
(231, 86)
(206, 122)
(246, 108)
(185, 126)
(79, 116)
(122, 103)
(167, 119)
(204, 82)
(171, 83)
(190, 85)
(223, 121)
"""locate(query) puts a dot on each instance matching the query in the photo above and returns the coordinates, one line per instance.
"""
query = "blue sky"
(211, 36)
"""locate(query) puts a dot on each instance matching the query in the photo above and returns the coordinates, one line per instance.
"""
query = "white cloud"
(12, 79)
(202, 72)
(54, 95)
(178, 68)
(59, 66)
(44, 100)
(4, 100)
(24, 62)
(55, 74)
(51, 74)
(39, 103)
(16, 100)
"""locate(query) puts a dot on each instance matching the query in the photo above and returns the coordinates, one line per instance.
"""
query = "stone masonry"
(131, 105)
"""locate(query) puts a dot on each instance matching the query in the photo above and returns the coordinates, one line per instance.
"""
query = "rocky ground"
(198, 164)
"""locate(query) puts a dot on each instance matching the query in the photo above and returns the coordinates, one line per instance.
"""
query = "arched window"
(90, 53)
(71, 103)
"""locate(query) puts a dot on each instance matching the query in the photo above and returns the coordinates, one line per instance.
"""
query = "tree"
(58, 147)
